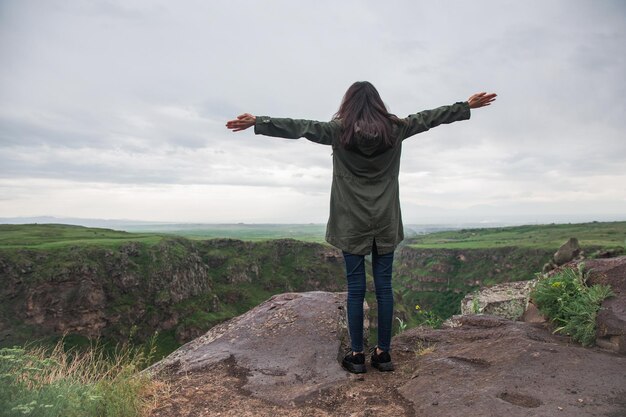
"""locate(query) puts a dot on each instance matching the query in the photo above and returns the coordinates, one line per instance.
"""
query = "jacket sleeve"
(424, 120)
(319, 132)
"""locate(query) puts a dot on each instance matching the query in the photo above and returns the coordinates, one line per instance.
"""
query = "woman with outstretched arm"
(364, 198)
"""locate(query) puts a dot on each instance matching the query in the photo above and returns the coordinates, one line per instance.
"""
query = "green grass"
(47, 236)
(606, 234)
(88, 382)
(54, 236)
(248, 232)
(570, 304)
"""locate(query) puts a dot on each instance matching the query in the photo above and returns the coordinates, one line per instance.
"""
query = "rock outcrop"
(611, 319)
(568, 252)
(511, 300)
(281, 359)
(508, 300)
(491, 366)
(288, 347)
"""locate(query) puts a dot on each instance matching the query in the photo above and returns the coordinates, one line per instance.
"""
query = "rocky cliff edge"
(281, 359)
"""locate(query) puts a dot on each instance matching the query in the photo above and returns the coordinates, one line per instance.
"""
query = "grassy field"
(43, 236)
(48, 236)
(241, 231)
(550, 236)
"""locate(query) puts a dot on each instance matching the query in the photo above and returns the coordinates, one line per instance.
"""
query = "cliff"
(177, 286)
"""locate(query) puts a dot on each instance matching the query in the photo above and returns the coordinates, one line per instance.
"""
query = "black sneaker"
(354, 363)
(382, 362)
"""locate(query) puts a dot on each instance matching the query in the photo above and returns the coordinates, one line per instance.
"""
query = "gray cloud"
(136, 94)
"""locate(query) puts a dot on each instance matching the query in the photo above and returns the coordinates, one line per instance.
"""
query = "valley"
(92, 283)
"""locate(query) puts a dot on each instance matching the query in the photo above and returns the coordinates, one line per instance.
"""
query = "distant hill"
(548, 236)
(311, 232)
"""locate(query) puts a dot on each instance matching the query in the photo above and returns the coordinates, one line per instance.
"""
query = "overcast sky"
(116, 109)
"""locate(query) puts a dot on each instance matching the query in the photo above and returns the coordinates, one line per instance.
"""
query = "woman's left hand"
(242, 122)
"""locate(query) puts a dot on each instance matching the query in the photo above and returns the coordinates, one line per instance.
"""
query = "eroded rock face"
(75, 306)
(288, 346)
(97, 291)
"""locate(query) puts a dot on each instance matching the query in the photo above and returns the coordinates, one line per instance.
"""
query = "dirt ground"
(219, 392)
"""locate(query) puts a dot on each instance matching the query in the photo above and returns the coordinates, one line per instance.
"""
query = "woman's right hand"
(242, 122)
(481, 100)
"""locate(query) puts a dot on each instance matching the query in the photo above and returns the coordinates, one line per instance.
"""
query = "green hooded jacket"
(364, 197)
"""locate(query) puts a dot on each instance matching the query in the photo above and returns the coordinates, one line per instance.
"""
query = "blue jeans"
(355, 273)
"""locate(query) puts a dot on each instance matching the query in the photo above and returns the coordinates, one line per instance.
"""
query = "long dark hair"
(362, 112)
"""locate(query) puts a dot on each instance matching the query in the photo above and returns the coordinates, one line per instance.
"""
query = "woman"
(364, 200)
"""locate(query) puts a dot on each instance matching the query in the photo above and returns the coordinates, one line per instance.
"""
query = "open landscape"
(73, 286)
(170, 172)
(193, 284)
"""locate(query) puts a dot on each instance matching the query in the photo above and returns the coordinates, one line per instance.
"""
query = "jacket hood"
(368, 143)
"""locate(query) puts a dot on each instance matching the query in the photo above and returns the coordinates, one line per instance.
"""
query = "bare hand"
(481, 100)
(242, 122)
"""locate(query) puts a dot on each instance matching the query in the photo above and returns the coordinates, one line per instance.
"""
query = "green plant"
(39, 382)
(431, 319)
(475, 304)
(570, 304)
(427, 318)
(402, 325)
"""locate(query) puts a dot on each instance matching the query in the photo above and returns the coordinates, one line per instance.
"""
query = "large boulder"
(287, 347)
(508, 300)
(611, 319)
(569, 251)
